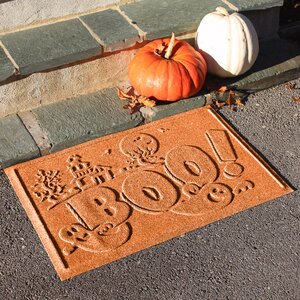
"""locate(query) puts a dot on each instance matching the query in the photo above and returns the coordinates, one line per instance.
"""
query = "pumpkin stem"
(222, 11)
(170, 47)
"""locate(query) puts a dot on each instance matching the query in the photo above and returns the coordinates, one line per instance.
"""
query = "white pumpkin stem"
(222, 11)
(170, 47)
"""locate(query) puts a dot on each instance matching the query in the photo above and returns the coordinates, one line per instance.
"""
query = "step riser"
(266, 22)
(44, 88)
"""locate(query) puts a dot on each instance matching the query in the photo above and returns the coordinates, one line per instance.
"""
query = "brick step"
(59, 125)
(86, 53)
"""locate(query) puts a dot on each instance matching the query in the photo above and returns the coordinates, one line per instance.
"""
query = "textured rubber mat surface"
(97, 202)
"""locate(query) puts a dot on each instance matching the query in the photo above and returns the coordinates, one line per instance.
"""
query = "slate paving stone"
(16, 144)
(112, 28)
(257, 4)
(159, 18)
(169, 109)
(77, 120)
(7, 69)
(106, 199)
(50, 46)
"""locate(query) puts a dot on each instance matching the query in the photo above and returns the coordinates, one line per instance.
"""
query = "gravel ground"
(252, 255)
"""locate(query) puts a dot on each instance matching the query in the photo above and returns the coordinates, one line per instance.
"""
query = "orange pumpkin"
(167, 69)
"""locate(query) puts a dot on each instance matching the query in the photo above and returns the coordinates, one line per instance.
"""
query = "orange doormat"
(102, 200)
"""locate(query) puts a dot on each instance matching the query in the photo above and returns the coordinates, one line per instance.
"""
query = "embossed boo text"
(187, 183)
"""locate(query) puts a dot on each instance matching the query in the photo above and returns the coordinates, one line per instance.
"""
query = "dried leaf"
(141, 99)
(239, 102)
(290, 86)
(135, 101)
(126, 95)
(222, 89)
(121, 94)
(296, 99)
(231, 101)
(146, 101)
(218, 103)
(149, 103)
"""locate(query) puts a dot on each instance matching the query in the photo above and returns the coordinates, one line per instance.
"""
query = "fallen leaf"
(290, 86)
(135, 101)
(146, 101)
(222, 89)
(239, 102)
(218, 103)
(121, 94)
(231, 101)
(296, 99)
(126, 95)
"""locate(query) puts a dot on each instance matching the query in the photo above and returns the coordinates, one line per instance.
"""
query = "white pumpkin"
(228, 43)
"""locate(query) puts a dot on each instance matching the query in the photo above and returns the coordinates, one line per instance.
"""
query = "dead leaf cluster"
(232, 100)
(292, 86)
(135, 102)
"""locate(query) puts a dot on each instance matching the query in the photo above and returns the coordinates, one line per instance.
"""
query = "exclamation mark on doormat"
(224, 151)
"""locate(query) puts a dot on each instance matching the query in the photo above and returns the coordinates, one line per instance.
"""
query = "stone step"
(15, 14)
(57, 126)
(278, 61)
(61, 125)
(69, 58)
